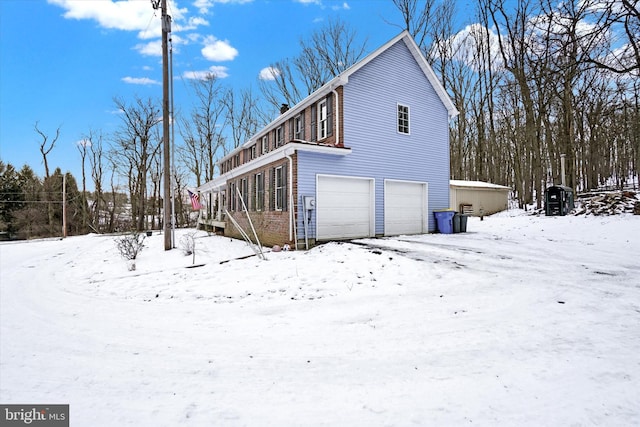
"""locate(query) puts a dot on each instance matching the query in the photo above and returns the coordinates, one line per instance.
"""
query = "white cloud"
(191, 24)
(218, 50)
(140, 81)
(220, 72)
(316, 2)
(153, 48)
(343, 6)
(203, 6)
(463, 45)
(269, 73)
(121, 15)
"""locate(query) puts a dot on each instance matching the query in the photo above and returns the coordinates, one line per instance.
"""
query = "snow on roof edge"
(477, 184)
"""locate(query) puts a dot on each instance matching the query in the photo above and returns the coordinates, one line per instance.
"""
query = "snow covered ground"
(521, 321)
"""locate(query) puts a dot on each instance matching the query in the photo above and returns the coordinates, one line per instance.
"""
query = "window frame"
(403, 119)
(244, 194)
(278, 136)
(323, 121)
(279, 188)
(258, 192)
(298, 127)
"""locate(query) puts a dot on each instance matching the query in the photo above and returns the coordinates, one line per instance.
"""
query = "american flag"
(195, 201)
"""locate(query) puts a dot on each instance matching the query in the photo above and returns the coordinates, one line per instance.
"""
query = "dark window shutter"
(314, 128)
(329, 115)
(272, 189)
(292, 129)
(302, 125)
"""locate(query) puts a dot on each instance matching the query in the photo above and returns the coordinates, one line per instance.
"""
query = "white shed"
(477, 198)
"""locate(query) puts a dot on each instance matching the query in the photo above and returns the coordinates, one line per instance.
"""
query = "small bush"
(130, 246)
(188, 243)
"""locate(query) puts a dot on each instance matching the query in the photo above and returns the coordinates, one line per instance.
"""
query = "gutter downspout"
(288, 154)
(337, 120)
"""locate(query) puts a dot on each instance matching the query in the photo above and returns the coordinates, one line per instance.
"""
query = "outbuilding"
(478, 198)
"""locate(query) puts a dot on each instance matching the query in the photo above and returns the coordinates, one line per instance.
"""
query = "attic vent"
(284, 108)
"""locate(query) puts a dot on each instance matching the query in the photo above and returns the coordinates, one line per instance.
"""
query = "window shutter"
(272, 189)
(314, 118)
(330, 115)
(292, 129)
(256, 193)
(262, 191)
(285, 183)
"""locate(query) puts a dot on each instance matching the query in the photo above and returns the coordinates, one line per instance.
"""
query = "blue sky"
(63, 61)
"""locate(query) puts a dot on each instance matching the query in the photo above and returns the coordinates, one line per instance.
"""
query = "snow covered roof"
(477, 184)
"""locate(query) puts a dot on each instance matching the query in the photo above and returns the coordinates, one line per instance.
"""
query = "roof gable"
(420, 60)
(343, 78)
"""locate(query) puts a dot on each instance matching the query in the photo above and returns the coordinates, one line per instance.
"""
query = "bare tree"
(619, 22)
(98, 204)
(418, 20)
(326, 53)
(242, 115)
(202, 131)
(135, 145)
(45, 148)
(83, 150)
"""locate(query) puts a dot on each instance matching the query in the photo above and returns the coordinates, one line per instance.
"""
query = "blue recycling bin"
(444, 220)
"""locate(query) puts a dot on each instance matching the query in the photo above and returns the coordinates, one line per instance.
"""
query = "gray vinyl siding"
(371, 97)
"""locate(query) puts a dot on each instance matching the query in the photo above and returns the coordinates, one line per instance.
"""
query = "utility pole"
(64, 205)
(166, 29)
(173, 153)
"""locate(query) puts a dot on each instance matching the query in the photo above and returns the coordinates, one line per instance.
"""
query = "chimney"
(284, 108)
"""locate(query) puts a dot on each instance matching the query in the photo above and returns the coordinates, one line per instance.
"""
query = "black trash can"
(460, 223)
(463, 223)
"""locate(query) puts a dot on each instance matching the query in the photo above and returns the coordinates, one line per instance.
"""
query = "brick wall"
(272, 227)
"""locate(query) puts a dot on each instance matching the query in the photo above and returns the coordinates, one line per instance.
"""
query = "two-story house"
(365, 155)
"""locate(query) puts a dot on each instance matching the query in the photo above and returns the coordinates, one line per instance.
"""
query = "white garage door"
(344, 208)
(405, 207)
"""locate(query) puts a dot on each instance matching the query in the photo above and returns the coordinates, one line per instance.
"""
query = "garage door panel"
(405, 207)
(344, 207)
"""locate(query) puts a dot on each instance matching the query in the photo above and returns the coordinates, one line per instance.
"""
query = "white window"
(281, 186)
(253, 152)
(403, 119)
(279, 135)
(244, 193)
(265, 144)
(259, 192)
(298, 127)
(323, 127)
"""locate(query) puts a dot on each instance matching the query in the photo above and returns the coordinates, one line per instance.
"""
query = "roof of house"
(477, 185)
(343, 78)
